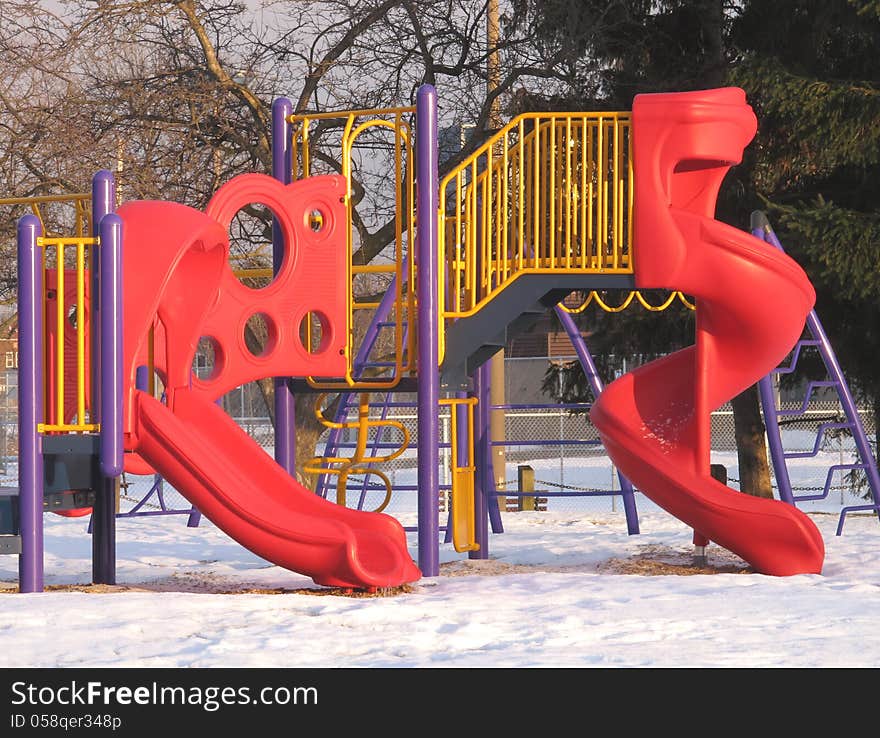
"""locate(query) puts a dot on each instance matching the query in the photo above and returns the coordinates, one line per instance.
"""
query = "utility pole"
(496, 373)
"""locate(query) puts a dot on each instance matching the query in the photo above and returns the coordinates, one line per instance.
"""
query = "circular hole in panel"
(260, 335)
(208, 360)
(315, 220)
(314, 332)
(250, 246)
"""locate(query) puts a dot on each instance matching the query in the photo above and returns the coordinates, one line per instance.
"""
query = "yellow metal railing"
(355, 123)
(549, 193)
(54, 406)
(463, 470)
(81, 203)
(359, 462)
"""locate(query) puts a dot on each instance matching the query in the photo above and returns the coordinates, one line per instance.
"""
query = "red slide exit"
(233, 482)
(752, 302)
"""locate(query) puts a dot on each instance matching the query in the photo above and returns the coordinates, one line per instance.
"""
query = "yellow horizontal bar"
(68, 241)
(40, 199)
(346, 113)
(253, 273)
(68, 428)
(374, 268)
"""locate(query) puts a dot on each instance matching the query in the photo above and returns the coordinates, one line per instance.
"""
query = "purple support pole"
(483, 482)
(104, 510)
(285, 401)
(771, 420)
(111, 345)
(427, 200)
(30, 404)
(596, 387)
(774, 440)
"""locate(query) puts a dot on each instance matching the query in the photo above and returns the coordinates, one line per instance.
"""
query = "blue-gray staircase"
(474, 339)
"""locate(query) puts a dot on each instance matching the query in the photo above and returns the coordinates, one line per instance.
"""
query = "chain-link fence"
(559, 444)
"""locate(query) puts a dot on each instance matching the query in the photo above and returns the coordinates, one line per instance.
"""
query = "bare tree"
(175, 95)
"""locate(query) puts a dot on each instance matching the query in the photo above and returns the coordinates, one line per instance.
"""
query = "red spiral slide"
(752, 302)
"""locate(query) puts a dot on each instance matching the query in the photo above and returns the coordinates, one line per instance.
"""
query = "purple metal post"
(427, 200)
(111, 345)
(483, 459)
(30, 404)
(104, 510)
(285, 401)
(596, 387)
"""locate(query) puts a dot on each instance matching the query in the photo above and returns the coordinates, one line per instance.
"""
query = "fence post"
(525, 482)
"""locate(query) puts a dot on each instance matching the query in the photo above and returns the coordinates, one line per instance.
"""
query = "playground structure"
(552, 203)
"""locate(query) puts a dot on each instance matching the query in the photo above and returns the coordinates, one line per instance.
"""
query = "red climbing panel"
(177, 277)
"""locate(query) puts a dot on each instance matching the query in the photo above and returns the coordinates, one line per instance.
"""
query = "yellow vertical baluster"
(398, 247)
(472, 245)
(567, 203)
(615, 228)
(551, 192)
(60, 320)
(456, 255)
(536, 194)
(629, 203)
(488, 224)
(600, 202)
(505, 215)
(80, 333)
(521, 195)
(584, 229)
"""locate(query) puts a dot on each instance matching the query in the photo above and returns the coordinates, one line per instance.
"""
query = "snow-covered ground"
(557, 591)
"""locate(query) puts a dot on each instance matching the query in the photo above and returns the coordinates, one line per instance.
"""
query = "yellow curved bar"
(402, 267)
(593, 296)
(354, 464)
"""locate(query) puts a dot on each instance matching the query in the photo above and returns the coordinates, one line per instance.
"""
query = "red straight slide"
(201, 451)
(752, 301)
(181, 290)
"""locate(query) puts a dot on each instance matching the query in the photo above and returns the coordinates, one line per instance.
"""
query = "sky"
(560, 589)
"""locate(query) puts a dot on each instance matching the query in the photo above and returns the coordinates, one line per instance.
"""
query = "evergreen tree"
(811, 70)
